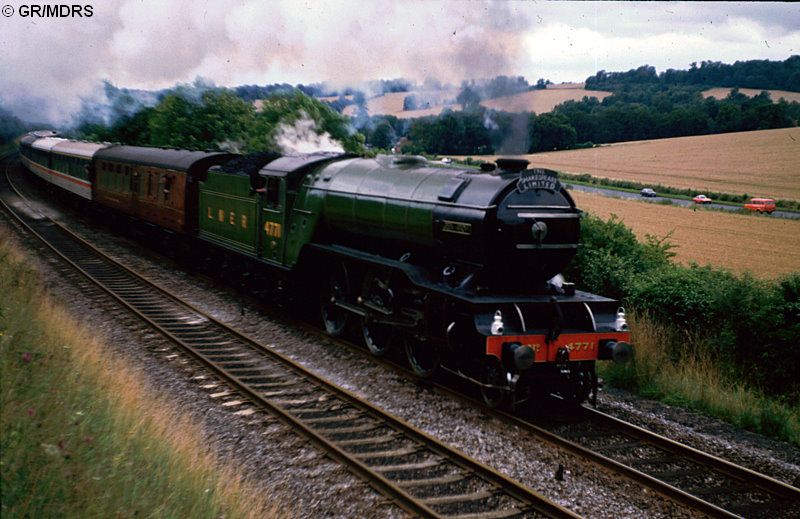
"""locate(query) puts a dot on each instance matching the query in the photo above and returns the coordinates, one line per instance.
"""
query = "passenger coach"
(156, 185)
(65, 163)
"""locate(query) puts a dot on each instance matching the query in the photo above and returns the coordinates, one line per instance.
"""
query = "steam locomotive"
(458, 268)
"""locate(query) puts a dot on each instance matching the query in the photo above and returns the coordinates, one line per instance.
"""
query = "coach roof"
(47, 143)
(81, 149)
(181, 160)
(28, 139)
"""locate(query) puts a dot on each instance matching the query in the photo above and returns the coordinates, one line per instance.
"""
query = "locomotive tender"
(458, 268)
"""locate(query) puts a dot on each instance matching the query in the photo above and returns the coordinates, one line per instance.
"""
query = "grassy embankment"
(694, 379)
(80, 436)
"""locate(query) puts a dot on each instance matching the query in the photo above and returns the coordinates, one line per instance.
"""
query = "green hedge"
(751, 326)
(754, 324)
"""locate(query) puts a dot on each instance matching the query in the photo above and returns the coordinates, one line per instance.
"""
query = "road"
(675, 201)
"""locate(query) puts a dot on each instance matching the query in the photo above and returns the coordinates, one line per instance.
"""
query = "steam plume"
(304, 137)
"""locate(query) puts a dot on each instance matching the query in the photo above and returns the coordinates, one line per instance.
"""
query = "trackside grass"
(80, 435)
(685, 376)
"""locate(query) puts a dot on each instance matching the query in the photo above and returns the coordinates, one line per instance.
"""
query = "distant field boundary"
(630, 186)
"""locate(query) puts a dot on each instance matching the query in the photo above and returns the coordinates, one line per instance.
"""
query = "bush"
(749, 328)
(752, 326)
(610, 256)
(689, 297)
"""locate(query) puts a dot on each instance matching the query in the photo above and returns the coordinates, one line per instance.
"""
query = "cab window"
(273, 192)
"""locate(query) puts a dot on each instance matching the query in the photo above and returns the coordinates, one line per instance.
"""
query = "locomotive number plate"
(273, 229)
(457, 227)
(580, 346)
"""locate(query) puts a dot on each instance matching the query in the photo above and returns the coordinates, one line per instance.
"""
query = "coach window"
(167, 187)
(117, 177)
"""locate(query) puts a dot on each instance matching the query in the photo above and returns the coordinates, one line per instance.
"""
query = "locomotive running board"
(419, 278)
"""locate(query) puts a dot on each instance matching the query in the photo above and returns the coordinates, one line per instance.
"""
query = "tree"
(288, 109)
(551, 132)
(410, 102)
(11, 126)
(219, 117)
(468, 99)
(173, 123)
(383, 137)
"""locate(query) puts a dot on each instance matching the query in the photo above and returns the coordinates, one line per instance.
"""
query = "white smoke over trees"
(283, 119)
(47, 64)
(201, 116)
(304, 137)
(152, 45)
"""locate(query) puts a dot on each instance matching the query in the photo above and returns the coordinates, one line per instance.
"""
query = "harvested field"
(392, 104)
(775, 95)
(539, 101)
(763, 163)
(767, 247)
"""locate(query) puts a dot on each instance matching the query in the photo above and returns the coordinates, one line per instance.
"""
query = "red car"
(701, 199)
(761, 205)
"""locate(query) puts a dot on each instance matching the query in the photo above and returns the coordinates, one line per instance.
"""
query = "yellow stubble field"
(775, 95)
(760, 163)
(539, 101)
(768, 247)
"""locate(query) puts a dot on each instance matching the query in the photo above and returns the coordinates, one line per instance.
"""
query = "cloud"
(570, 51)
(48, 64)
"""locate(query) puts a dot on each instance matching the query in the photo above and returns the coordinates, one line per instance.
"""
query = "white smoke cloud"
(47, 64)
(303, 136)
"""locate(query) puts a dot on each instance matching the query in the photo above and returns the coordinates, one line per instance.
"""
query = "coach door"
(273, 212)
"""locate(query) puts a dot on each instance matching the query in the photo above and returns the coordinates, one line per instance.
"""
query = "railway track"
(699, 480)
(705, 482)
(420, 474)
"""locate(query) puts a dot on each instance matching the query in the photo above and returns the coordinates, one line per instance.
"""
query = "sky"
(48, 64)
